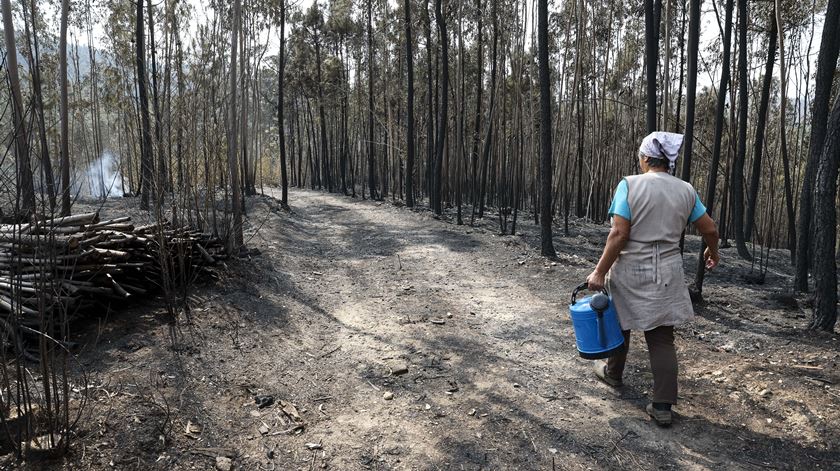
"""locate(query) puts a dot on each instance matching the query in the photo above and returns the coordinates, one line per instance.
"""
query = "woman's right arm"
(708, 229)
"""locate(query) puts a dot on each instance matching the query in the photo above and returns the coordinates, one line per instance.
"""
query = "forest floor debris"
(498, 386)
(83, 263)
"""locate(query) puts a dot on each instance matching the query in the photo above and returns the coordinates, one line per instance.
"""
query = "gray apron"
(647, 281)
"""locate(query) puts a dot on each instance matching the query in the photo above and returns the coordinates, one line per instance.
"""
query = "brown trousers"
(663, 362)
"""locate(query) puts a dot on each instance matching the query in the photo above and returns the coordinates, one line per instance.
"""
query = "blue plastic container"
(597, 331)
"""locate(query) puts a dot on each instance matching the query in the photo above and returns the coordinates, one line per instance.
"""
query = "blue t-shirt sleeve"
(620, 206)
(698, 211)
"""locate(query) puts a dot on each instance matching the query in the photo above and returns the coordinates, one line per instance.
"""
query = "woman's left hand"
(596, 281)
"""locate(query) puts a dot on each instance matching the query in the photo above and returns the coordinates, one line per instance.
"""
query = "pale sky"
(709, 33)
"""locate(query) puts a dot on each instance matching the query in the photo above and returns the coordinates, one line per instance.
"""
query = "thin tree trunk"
(35, 64)
(460, 151)
(711, 182)
(741, 152)
(666, 66)
(783, 136)
(760, 127)
(64, 149)
(281, 73)
(443, 117)
(25, 186)
(488, 142)
(162, 163)
(651, 59)
(547, 245)
(371, 148)
(691, 86)
(409, 55)
(236, 242)
(148, 185)
(325, 150)
(479, 88)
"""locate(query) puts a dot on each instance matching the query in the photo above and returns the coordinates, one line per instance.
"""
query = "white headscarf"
(662, 145)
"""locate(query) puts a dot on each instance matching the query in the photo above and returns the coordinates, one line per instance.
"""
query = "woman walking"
(643, 267)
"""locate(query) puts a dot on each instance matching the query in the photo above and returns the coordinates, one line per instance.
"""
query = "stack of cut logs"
(78, 264)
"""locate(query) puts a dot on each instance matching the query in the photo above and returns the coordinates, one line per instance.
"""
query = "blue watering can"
(597, 331)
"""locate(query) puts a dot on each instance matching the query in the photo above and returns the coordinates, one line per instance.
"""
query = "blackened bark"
(789, 204)
(741, 152)
(236, 241)
(35, 57)
(63, 110)
(371, 149)
(546, 174)
(488, 141)
(479, 88)
(691, 86)
(760, 129)
(163, 160)
(825, 228)
(651, 60)
(281, 75)
(25, 186)
(325, 149)
(827, 62)
(146, 160)
(443, 117)
(409, 164)
(711, 183)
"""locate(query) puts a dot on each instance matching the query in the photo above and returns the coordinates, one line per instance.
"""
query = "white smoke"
(102, 178)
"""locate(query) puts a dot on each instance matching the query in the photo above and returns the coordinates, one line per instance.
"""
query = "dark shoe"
(661, 417)
(601, 373)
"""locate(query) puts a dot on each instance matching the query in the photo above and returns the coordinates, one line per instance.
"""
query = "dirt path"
(465, 333)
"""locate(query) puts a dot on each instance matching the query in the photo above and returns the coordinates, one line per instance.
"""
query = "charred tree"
(760, 129)
(711, 183)
(443, 117)
(547, 245)
(37, 95)
(64, 117)
(370, 137)
(827, 62)
(825, 228)
(691, 85)
(147, 185)
(741, 153)
(651, 60)
(281, 103)
(236, 240)
(488, 140)
(409, 57)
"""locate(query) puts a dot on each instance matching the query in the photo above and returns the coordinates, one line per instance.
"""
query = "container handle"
(584, 287)
(602, 335)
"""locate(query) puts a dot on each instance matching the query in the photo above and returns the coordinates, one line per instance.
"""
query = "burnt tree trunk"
(409, 57)
(826, 65)
(147, 163)
(64, 148)
(236, 241)
(760, 129)
(488, 141)
(691, 85)
(281, 75)
(547, 245)
(479, 88)
(443, 117)
(711, 183)
(651, 60)
(825, 228)
(741, 152)
(371, 149)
